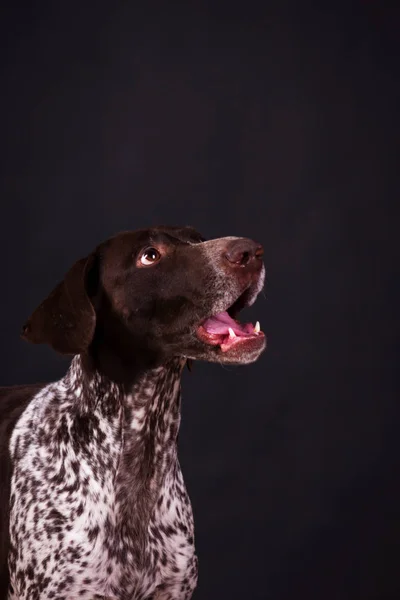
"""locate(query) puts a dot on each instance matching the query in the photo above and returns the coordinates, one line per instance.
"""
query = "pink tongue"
(221, 322)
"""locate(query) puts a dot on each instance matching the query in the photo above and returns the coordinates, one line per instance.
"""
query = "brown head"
(143, 297)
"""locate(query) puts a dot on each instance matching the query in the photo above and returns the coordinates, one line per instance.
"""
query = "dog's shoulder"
(13, 402)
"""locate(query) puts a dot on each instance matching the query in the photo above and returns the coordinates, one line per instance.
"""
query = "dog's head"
(153, 294)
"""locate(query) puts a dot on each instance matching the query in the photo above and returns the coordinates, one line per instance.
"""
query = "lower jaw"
(237, 346)
(244, 353)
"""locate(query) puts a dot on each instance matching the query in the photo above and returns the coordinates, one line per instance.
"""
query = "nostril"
(238, 257)
(242, 252)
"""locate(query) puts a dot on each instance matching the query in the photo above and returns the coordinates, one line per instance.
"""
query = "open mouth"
(225, 331)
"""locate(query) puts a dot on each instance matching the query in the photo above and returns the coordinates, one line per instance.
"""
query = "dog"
(93, 501)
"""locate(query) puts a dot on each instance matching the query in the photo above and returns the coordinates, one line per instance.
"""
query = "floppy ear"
(66, 319)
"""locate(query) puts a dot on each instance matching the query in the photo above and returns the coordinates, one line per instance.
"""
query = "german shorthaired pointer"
(93, 501)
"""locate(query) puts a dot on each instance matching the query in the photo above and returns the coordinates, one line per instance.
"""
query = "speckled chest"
(98, 505)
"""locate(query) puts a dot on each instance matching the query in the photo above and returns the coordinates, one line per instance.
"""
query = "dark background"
(278, 124)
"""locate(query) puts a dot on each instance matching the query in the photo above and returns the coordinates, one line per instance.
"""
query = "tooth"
(257, 327)
(232, 334)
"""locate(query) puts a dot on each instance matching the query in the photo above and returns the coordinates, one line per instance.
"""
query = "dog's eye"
(150, 256)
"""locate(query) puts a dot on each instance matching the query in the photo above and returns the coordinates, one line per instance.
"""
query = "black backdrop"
(279, 125)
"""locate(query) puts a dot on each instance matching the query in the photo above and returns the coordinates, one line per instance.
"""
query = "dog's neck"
(145, 422)
(94, 389)
(150, 428)
(148, 409)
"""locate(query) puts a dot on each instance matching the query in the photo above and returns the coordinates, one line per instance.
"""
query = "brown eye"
(150, 256)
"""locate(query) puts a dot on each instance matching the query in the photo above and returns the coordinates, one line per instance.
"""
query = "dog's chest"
(98, 506)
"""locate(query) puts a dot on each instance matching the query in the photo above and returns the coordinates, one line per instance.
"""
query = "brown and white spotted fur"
(97, 506)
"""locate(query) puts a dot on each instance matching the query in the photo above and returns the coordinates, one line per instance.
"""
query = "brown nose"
(243, 252)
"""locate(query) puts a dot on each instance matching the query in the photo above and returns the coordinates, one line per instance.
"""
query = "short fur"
(93, 503)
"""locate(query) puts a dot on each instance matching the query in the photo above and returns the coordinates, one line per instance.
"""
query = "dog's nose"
(243, 252)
